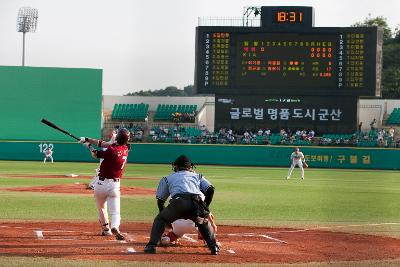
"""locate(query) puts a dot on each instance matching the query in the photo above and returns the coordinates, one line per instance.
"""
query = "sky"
(144, 44)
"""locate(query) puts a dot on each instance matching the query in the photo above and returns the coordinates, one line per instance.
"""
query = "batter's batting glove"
(89, 146)
(83, 140)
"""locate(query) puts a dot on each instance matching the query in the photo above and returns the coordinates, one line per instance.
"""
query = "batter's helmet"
(122, 136)
(182, 163)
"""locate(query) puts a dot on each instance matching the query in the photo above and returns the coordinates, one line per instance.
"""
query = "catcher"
(185, 188)
(297, 158)
(181, 227)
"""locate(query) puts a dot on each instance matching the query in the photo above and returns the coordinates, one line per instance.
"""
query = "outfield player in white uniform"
(297, 158)
(48, 154)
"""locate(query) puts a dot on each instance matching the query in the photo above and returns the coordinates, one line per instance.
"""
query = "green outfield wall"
(71, 98)
(236, 155)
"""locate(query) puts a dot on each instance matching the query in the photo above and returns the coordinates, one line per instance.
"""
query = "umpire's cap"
(122, 136)
(182, 163)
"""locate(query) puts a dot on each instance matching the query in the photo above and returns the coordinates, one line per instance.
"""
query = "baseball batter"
(48, 154)
(95, 178)
(297, 158)
(107, 190)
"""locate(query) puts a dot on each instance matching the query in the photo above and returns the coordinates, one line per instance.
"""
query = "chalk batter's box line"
(259, 235)
(40, 235)
(273, 240)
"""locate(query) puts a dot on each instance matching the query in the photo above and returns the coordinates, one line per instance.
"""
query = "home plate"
(131, 250)
(71, 175)
(231, 251)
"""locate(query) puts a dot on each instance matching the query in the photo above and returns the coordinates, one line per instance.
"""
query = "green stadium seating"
(394, 117)
(164, 112)
(134, 112)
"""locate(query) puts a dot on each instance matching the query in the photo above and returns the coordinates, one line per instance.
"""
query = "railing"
(229, 21)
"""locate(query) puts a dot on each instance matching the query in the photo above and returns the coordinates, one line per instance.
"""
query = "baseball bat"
(52, 125)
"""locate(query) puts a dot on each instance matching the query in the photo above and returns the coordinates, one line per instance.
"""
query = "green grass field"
(361, 201)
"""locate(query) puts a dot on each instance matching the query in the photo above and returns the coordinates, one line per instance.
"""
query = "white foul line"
(189, 239)
(275, 239)
(333, 227)
(258, 235)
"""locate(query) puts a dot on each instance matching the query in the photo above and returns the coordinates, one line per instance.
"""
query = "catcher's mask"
(182, 163)
(122, 136)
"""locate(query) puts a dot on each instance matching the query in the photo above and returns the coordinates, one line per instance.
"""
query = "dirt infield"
(69, 176)
(80, 189)
(240, 244)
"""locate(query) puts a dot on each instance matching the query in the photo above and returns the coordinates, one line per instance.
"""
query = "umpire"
(185, 188)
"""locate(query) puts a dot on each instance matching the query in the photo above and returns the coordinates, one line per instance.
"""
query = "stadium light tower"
(26, 22)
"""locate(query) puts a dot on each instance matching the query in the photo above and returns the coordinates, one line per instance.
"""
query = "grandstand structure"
(151, 119)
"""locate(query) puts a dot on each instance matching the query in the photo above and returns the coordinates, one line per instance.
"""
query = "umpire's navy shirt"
(181, 182)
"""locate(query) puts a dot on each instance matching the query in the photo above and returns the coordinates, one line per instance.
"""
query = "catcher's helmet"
(182, 163)
(122, 136)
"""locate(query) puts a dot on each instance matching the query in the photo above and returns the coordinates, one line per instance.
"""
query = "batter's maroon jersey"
(115, 157)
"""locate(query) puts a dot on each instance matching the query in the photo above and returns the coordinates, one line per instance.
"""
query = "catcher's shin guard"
(204, 229)
(156, 231)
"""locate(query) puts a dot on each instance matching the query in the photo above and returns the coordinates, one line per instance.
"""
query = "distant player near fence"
(48, 153)
(297, 158)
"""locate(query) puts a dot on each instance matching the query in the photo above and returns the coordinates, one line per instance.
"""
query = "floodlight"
(26, 22)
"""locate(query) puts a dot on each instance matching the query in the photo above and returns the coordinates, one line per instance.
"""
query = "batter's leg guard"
(105, 230)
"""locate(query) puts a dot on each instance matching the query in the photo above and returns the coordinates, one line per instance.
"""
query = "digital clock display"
(286, 16)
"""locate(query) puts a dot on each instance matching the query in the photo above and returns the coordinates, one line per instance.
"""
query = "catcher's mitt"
(305, 165)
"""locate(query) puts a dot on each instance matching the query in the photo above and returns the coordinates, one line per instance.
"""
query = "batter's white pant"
(45, 158)
(107, 193)
(300, 164)
(95, 179)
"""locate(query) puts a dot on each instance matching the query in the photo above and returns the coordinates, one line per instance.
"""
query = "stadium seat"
(133, 112)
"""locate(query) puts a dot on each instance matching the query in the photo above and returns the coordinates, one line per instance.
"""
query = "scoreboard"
(292, 61)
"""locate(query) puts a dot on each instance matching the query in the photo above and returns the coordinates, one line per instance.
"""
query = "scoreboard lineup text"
(316, 61)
